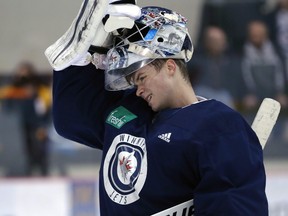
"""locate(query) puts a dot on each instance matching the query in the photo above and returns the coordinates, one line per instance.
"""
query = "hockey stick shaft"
(265, 119)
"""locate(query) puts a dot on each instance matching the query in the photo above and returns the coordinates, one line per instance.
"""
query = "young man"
(162, 145)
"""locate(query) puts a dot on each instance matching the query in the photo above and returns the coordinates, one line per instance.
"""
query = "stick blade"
(265, 119)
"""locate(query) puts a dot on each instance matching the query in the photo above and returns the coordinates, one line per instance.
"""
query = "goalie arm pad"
(88, 29)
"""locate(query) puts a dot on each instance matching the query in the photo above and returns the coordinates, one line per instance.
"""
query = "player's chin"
(154, 107)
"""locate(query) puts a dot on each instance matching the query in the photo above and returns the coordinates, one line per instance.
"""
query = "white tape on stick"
(265, 119)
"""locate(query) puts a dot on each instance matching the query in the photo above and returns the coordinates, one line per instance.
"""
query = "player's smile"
(148, 99)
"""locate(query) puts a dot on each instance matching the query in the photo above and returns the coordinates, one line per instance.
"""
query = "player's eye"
(142, 79)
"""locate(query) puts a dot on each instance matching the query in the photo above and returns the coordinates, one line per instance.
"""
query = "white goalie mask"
(158, 34)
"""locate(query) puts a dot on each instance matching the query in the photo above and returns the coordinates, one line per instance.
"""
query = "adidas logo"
(165, 137)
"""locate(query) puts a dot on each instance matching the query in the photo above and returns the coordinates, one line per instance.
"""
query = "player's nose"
(140, 91)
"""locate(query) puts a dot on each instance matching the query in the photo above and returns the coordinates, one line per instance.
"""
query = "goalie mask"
(158, 33)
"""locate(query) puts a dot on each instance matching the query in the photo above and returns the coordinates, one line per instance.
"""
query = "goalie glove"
(89, 28)
(120, 15)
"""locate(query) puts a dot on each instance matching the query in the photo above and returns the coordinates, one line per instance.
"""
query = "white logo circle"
(125, 168)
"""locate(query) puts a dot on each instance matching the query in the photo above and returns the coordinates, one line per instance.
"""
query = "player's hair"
(158, 64)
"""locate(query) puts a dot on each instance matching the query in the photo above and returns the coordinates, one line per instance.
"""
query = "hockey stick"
(265, 119)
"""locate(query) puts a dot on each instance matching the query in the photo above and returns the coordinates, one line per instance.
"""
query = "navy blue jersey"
(153, 161)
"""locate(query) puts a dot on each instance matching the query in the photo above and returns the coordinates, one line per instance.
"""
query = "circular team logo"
(125, 168)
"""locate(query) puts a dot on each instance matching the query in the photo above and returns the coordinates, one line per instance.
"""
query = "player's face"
(153, 86)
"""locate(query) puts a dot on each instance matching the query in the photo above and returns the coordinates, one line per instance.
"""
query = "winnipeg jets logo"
(165, 137)
(125, 169)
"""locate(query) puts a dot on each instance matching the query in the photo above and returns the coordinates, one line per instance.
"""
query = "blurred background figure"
(215, 69)
(30, 98)
(262, 69)
(277, 20)
(232, 16)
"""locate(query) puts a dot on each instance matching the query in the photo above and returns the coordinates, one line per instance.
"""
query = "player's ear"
(171, 66)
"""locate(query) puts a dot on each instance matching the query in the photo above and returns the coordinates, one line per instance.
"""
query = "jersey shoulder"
(209, 116)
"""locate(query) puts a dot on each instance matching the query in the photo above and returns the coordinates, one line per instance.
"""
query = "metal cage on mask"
(158, 33)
